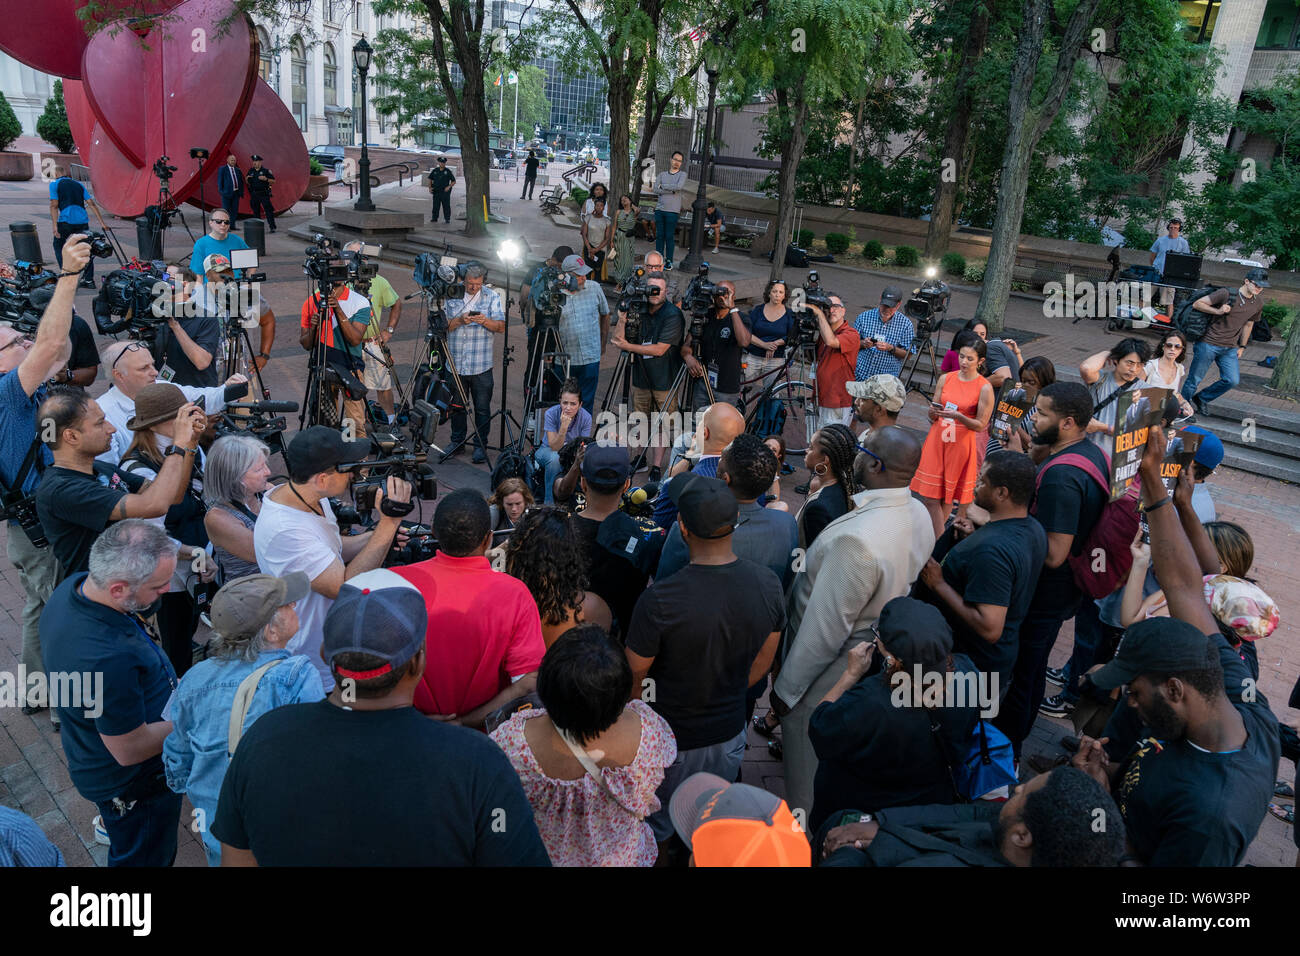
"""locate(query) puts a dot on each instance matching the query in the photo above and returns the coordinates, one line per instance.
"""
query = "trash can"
(149, 238)
(255, 235)
(27, 244)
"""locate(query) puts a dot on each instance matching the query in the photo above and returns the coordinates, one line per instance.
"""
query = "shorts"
(641, 400)
(376, 374)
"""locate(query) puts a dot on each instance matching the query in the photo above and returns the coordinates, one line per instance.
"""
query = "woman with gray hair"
(248, 673)
(234, 480)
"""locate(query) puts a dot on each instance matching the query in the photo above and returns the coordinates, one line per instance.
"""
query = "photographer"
(656, 358)
(837, 359)
(68, 202)
(189, 348)
(722, 343)
(584, 328)
(472, 321)
(886, 336)
(533, 306)
(563, 423)
(296, 530)
(378, 372)
(25, 365)
(130, 368)
(347, 311)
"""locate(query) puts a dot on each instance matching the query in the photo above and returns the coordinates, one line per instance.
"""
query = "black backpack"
(1192, 323)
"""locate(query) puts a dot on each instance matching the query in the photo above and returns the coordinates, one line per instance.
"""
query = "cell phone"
(937, 405)
(200, 400)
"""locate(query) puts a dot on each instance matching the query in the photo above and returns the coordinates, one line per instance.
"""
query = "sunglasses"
(219, 222)
(133, 347)
(1173, 345)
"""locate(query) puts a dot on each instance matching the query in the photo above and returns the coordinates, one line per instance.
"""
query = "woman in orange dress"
(950, 458)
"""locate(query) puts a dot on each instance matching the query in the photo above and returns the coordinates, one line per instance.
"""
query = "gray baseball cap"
(246, 605)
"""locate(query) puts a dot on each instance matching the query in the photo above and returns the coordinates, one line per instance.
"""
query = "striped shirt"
(580, 323)
(471, 345)
(897, 331)
(23, 844)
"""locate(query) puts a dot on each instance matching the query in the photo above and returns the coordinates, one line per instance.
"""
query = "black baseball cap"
(606, 467)
(319, 448)
(892, 295)
(915, 633)
(705, 504)
(1158, 645)
(1259, 277)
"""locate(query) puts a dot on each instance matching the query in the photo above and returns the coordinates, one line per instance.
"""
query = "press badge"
(631, 545)
(713, 378)
(166, 373)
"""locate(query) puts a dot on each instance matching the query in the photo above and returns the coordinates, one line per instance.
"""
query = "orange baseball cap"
(734, 824)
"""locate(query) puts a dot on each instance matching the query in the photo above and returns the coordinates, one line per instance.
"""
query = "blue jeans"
(1224, 356)
(723, 759)
(587, 375)
(61, 236)
(549, 460)
(1087, 638)
(666, 233)
(146, 836)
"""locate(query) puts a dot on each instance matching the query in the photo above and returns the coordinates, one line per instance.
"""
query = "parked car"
(330, 157)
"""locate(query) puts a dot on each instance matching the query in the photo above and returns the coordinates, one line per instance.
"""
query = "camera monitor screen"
(243, 258)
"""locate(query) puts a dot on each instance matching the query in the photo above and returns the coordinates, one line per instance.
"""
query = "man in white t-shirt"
(296, 531)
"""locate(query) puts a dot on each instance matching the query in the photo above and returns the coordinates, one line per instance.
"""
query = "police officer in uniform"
(260, 180)
(441, 180)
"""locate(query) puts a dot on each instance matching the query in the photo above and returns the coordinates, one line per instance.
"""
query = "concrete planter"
(51, 159)
(16, 167)
(318, 189)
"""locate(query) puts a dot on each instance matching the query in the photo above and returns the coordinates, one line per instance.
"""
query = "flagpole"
(514, 126)
(501, 109)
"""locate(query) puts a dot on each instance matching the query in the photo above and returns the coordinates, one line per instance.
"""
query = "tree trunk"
(791, 156)
(955, 144)
(1025, 128)
(1286, 374)
(621, 91)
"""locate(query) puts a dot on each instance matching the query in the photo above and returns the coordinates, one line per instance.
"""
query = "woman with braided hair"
(546, 554)
(830, 460)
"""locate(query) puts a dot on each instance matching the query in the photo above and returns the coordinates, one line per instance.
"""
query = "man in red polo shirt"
(484, 640)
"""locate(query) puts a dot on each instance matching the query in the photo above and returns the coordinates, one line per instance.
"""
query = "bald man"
(718, 426)
(860, 562)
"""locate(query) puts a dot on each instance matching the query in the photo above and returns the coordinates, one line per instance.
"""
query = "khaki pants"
(40, 574)
(800, 759)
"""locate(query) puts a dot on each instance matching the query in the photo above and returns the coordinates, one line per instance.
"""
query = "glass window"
(264, 64)
(1199, 17)
(1277, 30)
(298, 81)
(331, 75)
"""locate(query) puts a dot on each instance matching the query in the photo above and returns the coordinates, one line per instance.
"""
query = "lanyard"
(163, 662)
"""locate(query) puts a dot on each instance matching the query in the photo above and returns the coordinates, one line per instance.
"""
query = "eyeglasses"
(1173, 345)
(20, 340)
(867, 451)
(133, 347)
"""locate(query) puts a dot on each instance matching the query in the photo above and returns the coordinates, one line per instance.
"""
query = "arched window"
(331, 76)
(264, 64)
(298, 80)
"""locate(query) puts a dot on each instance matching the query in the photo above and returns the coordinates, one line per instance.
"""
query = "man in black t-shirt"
(986, 581)
(1067, 504)
(701, 638)
(530, 174)
(364, 779)
(622, 551)
(720, 351)
(656, 359)
(83, 363)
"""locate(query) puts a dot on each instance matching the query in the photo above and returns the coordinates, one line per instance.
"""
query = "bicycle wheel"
(797, 400)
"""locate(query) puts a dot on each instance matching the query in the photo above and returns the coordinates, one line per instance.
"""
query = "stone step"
(1257, 461)
(1234, 434)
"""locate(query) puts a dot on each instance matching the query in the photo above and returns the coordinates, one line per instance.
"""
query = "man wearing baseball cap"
(1224, 341)
(877, 401)
(296, 530)
(364, 779)
(248, 672)
(1209, 455)
(583, 327)
(886, 335)
(734, 824)
(1193, 756)
(703, 637)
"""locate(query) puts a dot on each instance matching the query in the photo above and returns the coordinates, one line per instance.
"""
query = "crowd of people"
(571, 677)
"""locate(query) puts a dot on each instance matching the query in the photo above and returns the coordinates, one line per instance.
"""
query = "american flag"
(697, 34)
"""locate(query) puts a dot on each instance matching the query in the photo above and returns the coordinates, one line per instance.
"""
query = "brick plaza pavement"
(33, 773)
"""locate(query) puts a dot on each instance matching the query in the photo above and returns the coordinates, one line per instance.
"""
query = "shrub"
(881, 260)
(579, 195)
(804, 238)
(907, 256)
(974, 272)
(10, 128)
(1274, 314)
(837, 243)
(53, 123)
(314, 167)
(873, 250)
(953, 263)
(743, 242)
(1137, 236)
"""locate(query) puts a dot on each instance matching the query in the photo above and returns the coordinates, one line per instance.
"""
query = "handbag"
(988, 764)
(243, 700)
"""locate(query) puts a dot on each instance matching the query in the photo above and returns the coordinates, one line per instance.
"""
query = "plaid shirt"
(471, 345)
(897, 331)
(580, 323)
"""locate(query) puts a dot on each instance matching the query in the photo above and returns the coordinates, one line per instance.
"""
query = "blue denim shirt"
(194, 753)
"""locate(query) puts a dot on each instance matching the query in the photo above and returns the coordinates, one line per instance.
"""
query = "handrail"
(588, 168)
(407, 168)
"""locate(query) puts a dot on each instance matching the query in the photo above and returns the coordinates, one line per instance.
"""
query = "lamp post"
(712, 65)
(361, 54)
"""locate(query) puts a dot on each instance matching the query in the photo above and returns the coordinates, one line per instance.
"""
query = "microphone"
(272, 407)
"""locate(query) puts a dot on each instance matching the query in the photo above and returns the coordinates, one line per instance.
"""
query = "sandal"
(1285, 813)
(1283, 789)
(762, 727)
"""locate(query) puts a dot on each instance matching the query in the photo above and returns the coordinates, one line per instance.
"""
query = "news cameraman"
(584, 327)
(721, 347)
(25, 365)
(837, 358)
(531, 293)
(349, 313)
(656, 359)
(472, 320)
(378, 373)
(189, 347)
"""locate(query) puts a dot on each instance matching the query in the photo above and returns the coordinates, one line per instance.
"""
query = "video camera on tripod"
(547, 297)
(134, 302)
(324, 264)
(699, 300)
(439, 277)
(263, 420)
(813, 294)
(400, 456)
(928, 305)
(162, 170)
(635, 301)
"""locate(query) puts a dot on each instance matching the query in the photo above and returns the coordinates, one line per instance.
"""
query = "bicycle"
(786, 400)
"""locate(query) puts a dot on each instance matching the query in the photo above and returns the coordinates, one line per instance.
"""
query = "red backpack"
(1112, 534)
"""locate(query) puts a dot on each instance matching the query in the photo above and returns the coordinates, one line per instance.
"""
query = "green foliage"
(1274, 313)
(407, 85)
(880, 261)
(873, 249)
(837, 243)
(314, 167)
(52, 126)
(974, 273)
(534, 107)
(579, 195)
(741, 242)
(907, 256)
(1137, 236)
(953, 264)
(10, 128)
(804, 239)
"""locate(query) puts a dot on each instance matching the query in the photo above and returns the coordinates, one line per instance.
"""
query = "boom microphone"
(274, 408)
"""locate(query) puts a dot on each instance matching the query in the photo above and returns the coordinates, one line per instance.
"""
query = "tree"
(407, 72)
(1027, 121)
(52, 126)
(10, 128)
(534, 107)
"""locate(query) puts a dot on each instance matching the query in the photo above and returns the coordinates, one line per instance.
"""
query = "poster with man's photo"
(1011, 411)
(1180, 449)
(1138, 411)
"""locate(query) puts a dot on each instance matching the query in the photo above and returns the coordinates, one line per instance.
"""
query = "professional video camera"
(547, 297)
(359, 268)
(699, 300)
(18, 307)
(323, 263)
(162, 170)
(635, 301)
(439, 276)
(928, 305)
(140, 301)
(262, 420)
(813, 294)
(400, 456)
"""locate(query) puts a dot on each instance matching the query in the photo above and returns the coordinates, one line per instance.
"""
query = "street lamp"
(712, 66)
(361, 54)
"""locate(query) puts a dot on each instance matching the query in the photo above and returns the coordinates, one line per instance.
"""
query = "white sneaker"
(101, 835)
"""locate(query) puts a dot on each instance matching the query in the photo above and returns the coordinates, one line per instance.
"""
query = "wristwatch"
(178, 450)
(390, 330)
(264, 355)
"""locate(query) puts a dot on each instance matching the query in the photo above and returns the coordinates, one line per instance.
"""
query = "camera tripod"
(548, 353)
(238, 352)
(167, 210)
(923, 345)
(680, 393)
(320, 398)
(795, 397)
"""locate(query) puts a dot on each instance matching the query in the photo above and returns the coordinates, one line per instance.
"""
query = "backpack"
(1192, 323)
(1112, 534)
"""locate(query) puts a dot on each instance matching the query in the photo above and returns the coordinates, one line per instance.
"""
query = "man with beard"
(1071, 493)
(1194, 783)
